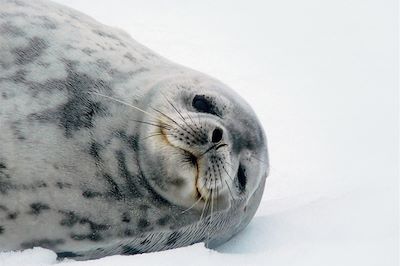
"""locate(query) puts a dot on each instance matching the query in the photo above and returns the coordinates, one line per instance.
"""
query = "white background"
(323, 78)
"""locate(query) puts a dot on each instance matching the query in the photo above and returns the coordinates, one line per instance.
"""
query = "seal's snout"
(204, 145)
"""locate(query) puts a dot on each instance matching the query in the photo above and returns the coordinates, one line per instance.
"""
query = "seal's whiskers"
(201, 197)
(191, 207)
(194, 123)
(125, 103)
(223, 167)
(153, 135)
(165, 115)
(153, 124)
(195, 135)
(229, 189)
(164, 125)
(179, 125)
(226, 182)
(205, 206)
(252, 156)
(209, 225)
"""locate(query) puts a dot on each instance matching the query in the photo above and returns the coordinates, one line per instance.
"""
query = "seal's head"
(201, 145)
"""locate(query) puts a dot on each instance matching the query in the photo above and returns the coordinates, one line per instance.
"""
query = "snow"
(323, 78)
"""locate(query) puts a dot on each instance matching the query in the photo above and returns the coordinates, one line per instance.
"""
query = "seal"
(108, 148)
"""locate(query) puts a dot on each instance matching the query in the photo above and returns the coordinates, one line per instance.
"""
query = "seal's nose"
(217, 135)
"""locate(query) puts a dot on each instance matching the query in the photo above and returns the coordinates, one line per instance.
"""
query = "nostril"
(217, 135)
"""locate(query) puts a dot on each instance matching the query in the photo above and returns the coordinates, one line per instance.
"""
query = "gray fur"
(80, 170)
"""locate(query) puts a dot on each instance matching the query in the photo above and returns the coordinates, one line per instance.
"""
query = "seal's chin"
(205, 195)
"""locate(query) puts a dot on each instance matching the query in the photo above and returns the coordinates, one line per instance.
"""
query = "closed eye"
(242, 178)
(204, 105)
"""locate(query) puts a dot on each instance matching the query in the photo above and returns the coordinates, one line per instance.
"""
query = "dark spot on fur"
(143, 223)
(130, 57)
(164, 220)
(144, 207)
(76, 114)
(121, 135)
(19, 3)
(79, 237)
(43, 64)
(128, 250)
(114, 191)
(70, 218)
(62, 185)
(37, 208)
(41, 184)
(156, 198)
(47, 23)
(19, 76)
(88, 51)
(12, 14)
(138, 71)
(94, 237)
(126, 175)
(11, 30)
(105, 34)
(44, 243)
(101, 46)
(15, 126)
(128, 233)
(29, 53)
(126, 218)
(91, 194)
(173, 238)
(80, 111)
(133, 143)
(105, 65)
(1, 229)
(94, 226)
(94, 150)
(67, 254)
(3, 172)
(12, 215)
(5, 186)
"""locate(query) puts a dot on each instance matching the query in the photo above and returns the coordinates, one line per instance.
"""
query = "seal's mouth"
(194, 161)
(190, 159)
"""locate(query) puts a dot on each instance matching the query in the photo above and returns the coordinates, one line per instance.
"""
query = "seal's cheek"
(167, 171)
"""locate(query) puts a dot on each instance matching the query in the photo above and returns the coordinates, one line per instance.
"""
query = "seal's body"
(107, 148)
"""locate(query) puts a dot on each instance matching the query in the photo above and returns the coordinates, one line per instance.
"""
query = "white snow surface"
(323, 78)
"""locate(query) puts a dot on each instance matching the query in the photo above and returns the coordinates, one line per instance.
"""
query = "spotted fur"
(74, 155)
